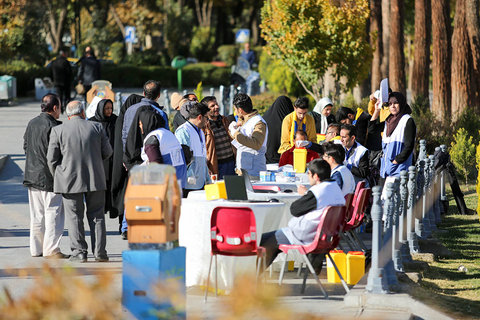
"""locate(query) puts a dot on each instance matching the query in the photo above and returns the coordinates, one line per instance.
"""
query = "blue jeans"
(124, 223)
(226, 169)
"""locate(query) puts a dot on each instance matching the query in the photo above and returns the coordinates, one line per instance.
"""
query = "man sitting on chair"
(306, 211)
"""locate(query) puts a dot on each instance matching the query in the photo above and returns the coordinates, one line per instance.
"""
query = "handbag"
(80, 88)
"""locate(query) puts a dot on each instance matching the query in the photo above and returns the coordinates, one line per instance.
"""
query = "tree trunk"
(396, 71)
(473, 27)
(441, 59)
(385, 37)
(421, 59)
(409, 64)
(376, 42)
(461, 63)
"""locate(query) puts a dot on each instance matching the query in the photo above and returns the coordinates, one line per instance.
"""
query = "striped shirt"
(223, 147)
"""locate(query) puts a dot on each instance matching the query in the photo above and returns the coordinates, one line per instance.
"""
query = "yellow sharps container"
(300, 160)
(340, 259)
(216, 190)
(355, 266)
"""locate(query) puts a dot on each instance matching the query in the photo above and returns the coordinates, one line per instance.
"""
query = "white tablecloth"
(194, 234)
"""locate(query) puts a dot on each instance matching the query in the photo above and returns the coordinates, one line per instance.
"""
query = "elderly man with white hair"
(75, 157)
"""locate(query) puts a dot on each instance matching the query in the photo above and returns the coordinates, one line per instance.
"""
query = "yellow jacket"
(287, 127)
(384, 113)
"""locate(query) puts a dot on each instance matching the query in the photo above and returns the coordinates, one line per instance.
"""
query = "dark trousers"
(64, 95)
(226, 169)
(74, 213)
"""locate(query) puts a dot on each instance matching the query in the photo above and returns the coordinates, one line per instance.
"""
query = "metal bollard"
(212, 91)
(222, 100)
(402, 234)
(232, 94)
(166, 102)
(386, 254)
(419, 226)
(377, 282)
(396, 254)
(411, 185)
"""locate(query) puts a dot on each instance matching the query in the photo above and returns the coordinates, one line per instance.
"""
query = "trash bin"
(42, 88)
(8, 87)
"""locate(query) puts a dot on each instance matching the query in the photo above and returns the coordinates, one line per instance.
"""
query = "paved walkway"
(18, 268)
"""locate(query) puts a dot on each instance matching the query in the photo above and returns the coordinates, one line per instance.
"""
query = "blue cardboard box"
(154, 283)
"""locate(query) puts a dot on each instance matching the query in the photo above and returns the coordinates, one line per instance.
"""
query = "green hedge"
(124, 75)
(133, 76)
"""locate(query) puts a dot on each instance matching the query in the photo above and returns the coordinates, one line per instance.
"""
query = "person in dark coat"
(119, 173)
(61, 72)
(89, 70)
(274, 117)
(105, 116)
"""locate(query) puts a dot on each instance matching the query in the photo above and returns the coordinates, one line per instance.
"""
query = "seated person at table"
(306, 211)
(287, 156)
(334, 154)
(297, 120)
(356, 155)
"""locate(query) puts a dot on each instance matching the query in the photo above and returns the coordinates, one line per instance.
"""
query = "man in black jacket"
(61, 72)
(46, 207)
(89, 70)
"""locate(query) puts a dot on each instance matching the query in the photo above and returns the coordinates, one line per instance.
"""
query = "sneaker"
(37, 255)
(102, 258)
(58, 255)
(81, 257)
(124, 235)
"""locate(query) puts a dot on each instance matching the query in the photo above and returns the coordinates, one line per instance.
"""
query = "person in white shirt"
(334, 154)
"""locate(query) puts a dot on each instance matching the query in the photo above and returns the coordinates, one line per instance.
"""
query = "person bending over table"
(307, 212)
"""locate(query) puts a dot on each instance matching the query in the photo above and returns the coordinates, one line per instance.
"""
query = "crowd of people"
(78, 162)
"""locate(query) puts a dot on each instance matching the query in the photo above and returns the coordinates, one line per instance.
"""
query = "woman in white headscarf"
(322, 113)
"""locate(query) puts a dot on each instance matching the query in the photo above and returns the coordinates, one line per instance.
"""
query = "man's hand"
(301, 189)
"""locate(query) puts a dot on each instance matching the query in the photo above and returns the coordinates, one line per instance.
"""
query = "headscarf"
(274, 117)
(393, 120)
(119, 174)
(151, 120)
(108, 123)
(321, 104)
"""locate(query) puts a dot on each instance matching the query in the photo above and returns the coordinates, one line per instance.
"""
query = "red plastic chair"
(348, 205)
(326, 239)
(233, 233)
(267, 188)
(359, 208)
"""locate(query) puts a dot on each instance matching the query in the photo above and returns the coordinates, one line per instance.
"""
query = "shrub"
(209, 74)
(477, 157)
(117, 51)
(279, 77)
(199, 91)
(262, 102)
(202, 43)
(462, 153)
(470, 121)
(228, 54)
(148, 57)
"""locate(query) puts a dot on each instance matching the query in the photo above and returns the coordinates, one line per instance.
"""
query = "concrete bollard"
(396, 254)
(431, 194)
(419, 226)
(377, 282)
(166, 102)
(443, 194)
(422, 152)
(402, 235)
(386, 253)
(212, 91)
(118, 103)
(221, 100)
(411, 185)
(426, 198)
(231, 96)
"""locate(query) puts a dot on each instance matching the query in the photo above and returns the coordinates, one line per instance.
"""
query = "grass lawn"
(445, 286)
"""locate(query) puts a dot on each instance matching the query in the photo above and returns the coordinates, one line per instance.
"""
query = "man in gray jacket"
(75, 157)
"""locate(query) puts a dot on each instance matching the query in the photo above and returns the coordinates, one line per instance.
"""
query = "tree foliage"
(463, 152)
(311, 36)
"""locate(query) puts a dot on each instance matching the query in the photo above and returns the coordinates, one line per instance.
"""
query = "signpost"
(130, 38)
(242, 36)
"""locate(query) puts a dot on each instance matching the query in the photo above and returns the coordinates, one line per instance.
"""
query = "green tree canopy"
(311, 36)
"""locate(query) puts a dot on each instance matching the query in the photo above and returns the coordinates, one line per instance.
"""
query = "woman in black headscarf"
(274, 117)
(119, 174)
(107, 118)
(398, 138)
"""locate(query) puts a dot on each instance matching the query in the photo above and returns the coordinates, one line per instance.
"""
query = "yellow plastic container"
(216, 190)
(340, 259)
(300, 160)
(355, 266)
